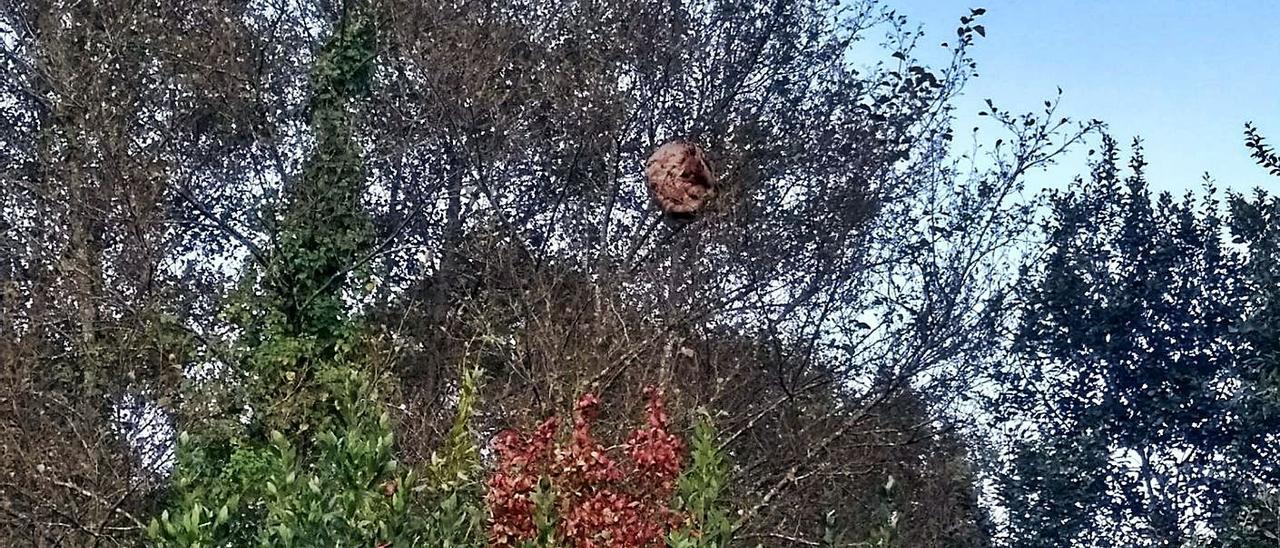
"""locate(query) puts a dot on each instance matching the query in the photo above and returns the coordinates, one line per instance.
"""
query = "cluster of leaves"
(1261, 150)
(576, 494)
(700, 495)
(1255, 223)
(339, 488)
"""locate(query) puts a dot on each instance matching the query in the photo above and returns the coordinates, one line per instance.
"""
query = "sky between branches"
(1184, 75)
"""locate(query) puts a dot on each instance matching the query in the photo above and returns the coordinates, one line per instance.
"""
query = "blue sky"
(1184, 75)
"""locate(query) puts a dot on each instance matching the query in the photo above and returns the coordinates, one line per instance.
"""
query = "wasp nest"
(679, 179)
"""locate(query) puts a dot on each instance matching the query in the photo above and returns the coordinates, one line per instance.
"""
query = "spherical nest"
(680, 180)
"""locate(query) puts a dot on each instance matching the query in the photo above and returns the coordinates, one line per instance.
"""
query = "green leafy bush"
(700, 494)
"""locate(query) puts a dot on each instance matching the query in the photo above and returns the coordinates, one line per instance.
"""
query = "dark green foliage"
(333, 479)
(1053, 490)
(884, 533)
(1255, 224)
(319, 243)
(1256, 524)
(1261, 150)
(1133, 390)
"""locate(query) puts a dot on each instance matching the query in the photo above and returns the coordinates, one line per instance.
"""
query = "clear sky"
(1184, 75)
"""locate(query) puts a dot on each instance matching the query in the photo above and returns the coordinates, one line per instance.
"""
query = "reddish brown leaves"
(601, 503)
(521, 462)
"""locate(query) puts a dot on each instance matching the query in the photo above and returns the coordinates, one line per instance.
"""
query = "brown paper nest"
(680, 181)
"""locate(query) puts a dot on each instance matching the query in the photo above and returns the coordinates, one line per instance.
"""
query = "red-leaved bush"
(521, 460)
(600, 502)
